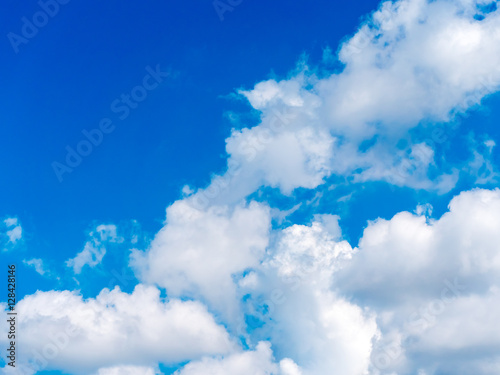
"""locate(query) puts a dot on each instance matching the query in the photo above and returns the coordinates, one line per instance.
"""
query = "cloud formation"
(197, 253)
(244, 297)
(38, 265)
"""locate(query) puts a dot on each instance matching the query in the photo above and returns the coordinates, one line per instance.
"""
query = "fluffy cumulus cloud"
(94, 249)
(198, 252)
(415, 59)
(292, 301)
(63, 331)
(290, 148)
(434, 285)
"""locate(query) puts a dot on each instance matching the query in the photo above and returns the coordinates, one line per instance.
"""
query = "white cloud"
(38, 265)
(10, 222)
(394, 254)
(290, 159)
(197, 252)
(424, 279)
(304, 318)
(95, 249)
(415, 60)
(289, 367)
(13, 233)
(63, 331)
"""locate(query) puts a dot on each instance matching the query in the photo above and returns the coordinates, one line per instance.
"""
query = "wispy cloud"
(95, 249)
(13, 233)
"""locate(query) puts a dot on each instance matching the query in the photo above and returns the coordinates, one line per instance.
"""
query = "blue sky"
(385, 140)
